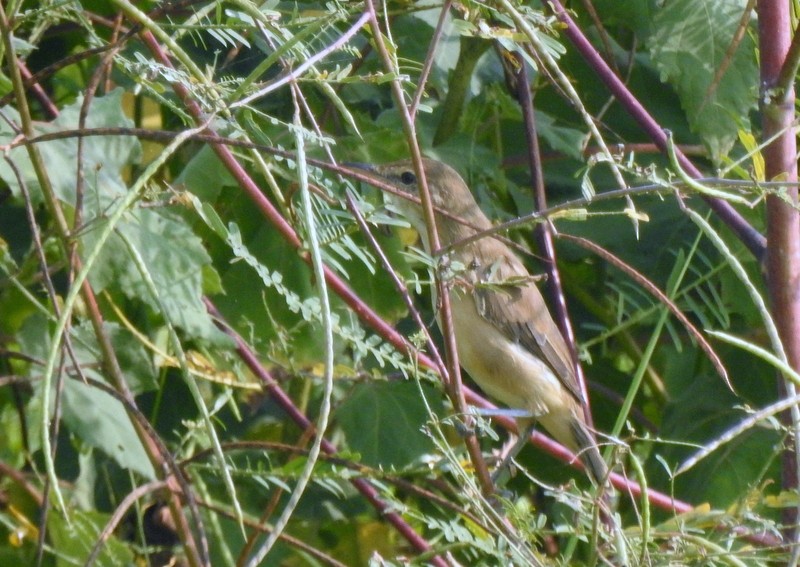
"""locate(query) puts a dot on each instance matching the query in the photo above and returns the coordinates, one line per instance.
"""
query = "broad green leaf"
(176, 260)
(74, 541)
(383, 422)
(101, 421)
(689, 46)
(136, 363)
(93, 416)
(104, 157)
(205, 175)
(700, 409)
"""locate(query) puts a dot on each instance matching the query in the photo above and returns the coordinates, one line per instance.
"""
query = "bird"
(505, 337)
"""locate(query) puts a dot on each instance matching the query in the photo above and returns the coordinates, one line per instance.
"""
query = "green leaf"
(689, 46)
(205, 175)
(104, 157)
(100, 420)
(74, 540)
(135, 362)
(176, 260)
(383, 422)
(701, 407)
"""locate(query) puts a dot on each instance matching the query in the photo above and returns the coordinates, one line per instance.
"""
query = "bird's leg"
(526, 427)
(526, 422)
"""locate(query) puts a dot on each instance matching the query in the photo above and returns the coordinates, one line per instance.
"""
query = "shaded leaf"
(102, 422)
(383, 421)
(75, 540)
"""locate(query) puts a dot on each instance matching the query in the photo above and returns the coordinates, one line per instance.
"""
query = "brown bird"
(506, 339)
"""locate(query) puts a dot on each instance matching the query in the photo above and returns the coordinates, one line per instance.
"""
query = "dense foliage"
(170, 340)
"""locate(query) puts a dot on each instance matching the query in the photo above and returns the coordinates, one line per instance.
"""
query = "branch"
(453, 383)
(299, 418)
(753, 239)
(783, 222)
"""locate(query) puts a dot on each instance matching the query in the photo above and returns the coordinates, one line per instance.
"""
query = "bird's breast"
(503, 368)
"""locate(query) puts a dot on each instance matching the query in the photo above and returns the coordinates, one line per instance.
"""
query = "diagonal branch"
(753, 239)
(299, 418)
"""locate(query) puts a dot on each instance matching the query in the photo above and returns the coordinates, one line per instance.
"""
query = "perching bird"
(506, 339)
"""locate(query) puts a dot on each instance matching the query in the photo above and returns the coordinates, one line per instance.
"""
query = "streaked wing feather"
(519, 312)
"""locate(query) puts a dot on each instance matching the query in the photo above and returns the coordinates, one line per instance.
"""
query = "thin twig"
(429, 59)
(252, 361)
(327, 324)
(653, 289)
(453, 382)
(288, 77)
(119, 513)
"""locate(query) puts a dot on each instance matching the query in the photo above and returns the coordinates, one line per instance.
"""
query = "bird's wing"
(507, 297)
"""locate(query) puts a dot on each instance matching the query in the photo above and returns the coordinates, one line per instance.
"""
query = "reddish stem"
(753, 239)
(285, 402)
(783, 221)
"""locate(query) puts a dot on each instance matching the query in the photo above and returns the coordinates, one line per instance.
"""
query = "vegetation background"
(189, 288)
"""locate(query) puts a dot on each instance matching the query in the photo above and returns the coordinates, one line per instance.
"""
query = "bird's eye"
(408, 178)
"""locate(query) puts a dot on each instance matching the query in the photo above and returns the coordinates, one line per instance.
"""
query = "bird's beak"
(358, 165)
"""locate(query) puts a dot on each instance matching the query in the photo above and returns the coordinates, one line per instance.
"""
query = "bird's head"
(448, 191)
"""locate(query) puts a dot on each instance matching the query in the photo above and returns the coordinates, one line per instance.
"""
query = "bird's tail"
(589, 452)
